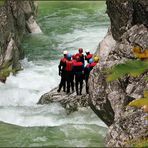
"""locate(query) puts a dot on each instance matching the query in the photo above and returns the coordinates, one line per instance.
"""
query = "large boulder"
(71, 102)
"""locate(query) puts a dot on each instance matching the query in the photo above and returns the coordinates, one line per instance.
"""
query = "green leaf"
(139, 103)
(131, 67)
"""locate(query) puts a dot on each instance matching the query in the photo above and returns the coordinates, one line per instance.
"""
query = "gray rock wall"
(126, 13)
(109, 100)
(15, 21)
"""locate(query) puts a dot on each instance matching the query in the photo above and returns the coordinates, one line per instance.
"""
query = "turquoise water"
(65, 25)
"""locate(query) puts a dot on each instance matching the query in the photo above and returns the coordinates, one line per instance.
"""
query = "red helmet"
(80, 50)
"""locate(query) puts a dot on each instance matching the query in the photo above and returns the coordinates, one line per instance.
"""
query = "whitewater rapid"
(18, 97)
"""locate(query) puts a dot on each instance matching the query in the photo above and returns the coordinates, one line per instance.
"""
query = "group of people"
(72, 70)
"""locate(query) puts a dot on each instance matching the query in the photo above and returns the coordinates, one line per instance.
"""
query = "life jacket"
(78, 64)
(93, 64)
(74, 61)
(89, 67)
(81, 55)
(89, 56)
(78, 67)
(69, 65)
(77, 55)
(63, 60)
(62, 64)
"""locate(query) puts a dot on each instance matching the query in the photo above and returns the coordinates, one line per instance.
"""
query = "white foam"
(18, 97)
(87, 39)
(46, 115)
(28, 85)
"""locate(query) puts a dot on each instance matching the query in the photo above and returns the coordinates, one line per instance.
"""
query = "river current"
(66, 26)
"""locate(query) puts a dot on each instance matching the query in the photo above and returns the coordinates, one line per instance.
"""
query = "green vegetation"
(6, 69)
(131, 67)
(140, 102)
(2, 2)
(138, 143)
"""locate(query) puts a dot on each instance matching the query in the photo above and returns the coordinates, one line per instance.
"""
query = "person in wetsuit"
(62, 72)
(69, 73)
(87, 70)
(78, 68)
(81, 55)
(88, 56)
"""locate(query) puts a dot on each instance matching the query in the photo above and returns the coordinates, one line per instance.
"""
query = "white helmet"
(65, 52)
(87, 50)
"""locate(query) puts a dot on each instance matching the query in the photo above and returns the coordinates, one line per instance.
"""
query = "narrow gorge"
(48, 118)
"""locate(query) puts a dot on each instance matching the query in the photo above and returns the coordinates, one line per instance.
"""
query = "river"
(66, 26)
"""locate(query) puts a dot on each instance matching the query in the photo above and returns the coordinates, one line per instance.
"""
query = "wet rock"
(3, 79)
(32, 25)
(71, 102)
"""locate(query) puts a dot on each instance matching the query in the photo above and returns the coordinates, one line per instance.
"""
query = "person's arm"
(82, 59)
(60, 70)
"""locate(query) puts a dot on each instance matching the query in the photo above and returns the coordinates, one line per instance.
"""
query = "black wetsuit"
(62, 73)
(78, 72)
(69, 75)
(87, 70)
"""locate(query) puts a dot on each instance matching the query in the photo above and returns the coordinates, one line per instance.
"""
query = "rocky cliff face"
(126, 13)
(129, 22)
(16, 18)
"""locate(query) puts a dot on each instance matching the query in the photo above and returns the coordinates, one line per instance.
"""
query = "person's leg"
(68, 82)
(61, 84)
(72, 82)
(86, 81)
(81, 84)
(64, 82)
(76, 85)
